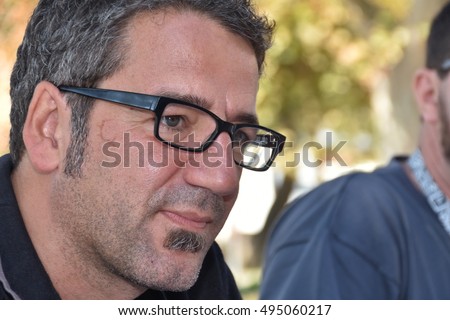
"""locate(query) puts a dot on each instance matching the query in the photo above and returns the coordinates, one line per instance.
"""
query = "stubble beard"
(445, 130)
(113, 245)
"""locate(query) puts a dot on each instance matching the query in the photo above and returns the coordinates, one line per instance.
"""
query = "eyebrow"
(248, 118)
(243, 117)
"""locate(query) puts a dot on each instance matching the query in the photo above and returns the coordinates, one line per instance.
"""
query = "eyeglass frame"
(444, 68)
(157, 105)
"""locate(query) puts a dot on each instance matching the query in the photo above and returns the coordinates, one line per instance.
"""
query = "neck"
(436, 162)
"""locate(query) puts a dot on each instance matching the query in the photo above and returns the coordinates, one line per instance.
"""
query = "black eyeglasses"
(186, 126)
(444, 68)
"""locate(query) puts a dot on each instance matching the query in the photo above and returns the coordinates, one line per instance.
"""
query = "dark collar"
(21, 272)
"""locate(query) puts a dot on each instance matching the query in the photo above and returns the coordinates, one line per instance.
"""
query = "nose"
(215, 169)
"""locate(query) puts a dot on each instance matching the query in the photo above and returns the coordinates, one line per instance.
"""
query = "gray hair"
(81, 42)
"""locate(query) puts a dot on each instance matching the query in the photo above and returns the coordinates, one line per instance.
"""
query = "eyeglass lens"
(256, 149)
(188, 127)
(185, 126)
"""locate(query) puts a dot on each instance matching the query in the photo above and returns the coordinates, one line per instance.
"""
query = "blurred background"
(337, 83)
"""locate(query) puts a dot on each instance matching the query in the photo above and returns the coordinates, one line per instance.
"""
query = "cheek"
(110, 130)
(130, 149)
(144, 167)
(131, 165)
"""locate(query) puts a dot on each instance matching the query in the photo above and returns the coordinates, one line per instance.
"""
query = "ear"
(47, 120)
(426, 90)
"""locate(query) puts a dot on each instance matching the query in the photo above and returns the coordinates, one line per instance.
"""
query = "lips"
(187, 220)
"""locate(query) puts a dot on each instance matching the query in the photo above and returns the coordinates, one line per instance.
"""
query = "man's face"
(146, 224)
(444, 114)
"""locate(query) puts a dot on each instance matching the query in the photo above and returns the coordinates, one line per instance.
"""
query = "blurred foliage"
(326, 58)
(13, 17)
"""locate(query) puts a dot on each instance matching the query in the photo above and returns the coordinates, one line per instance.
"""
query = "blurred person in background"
(379, 235)
(99, 86)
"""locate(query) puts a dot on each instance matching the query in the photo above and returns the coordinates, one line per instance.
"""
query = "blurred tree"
(343, 66)
(327, 57)
(13, 17)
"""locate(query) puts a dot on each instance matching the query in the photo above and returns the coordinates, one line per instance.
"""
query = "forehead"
(191, 54)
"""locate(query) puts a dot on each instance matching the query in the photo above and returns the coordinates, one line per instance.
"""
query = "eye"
(171, 121)
(244, 135)
(241, 137)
